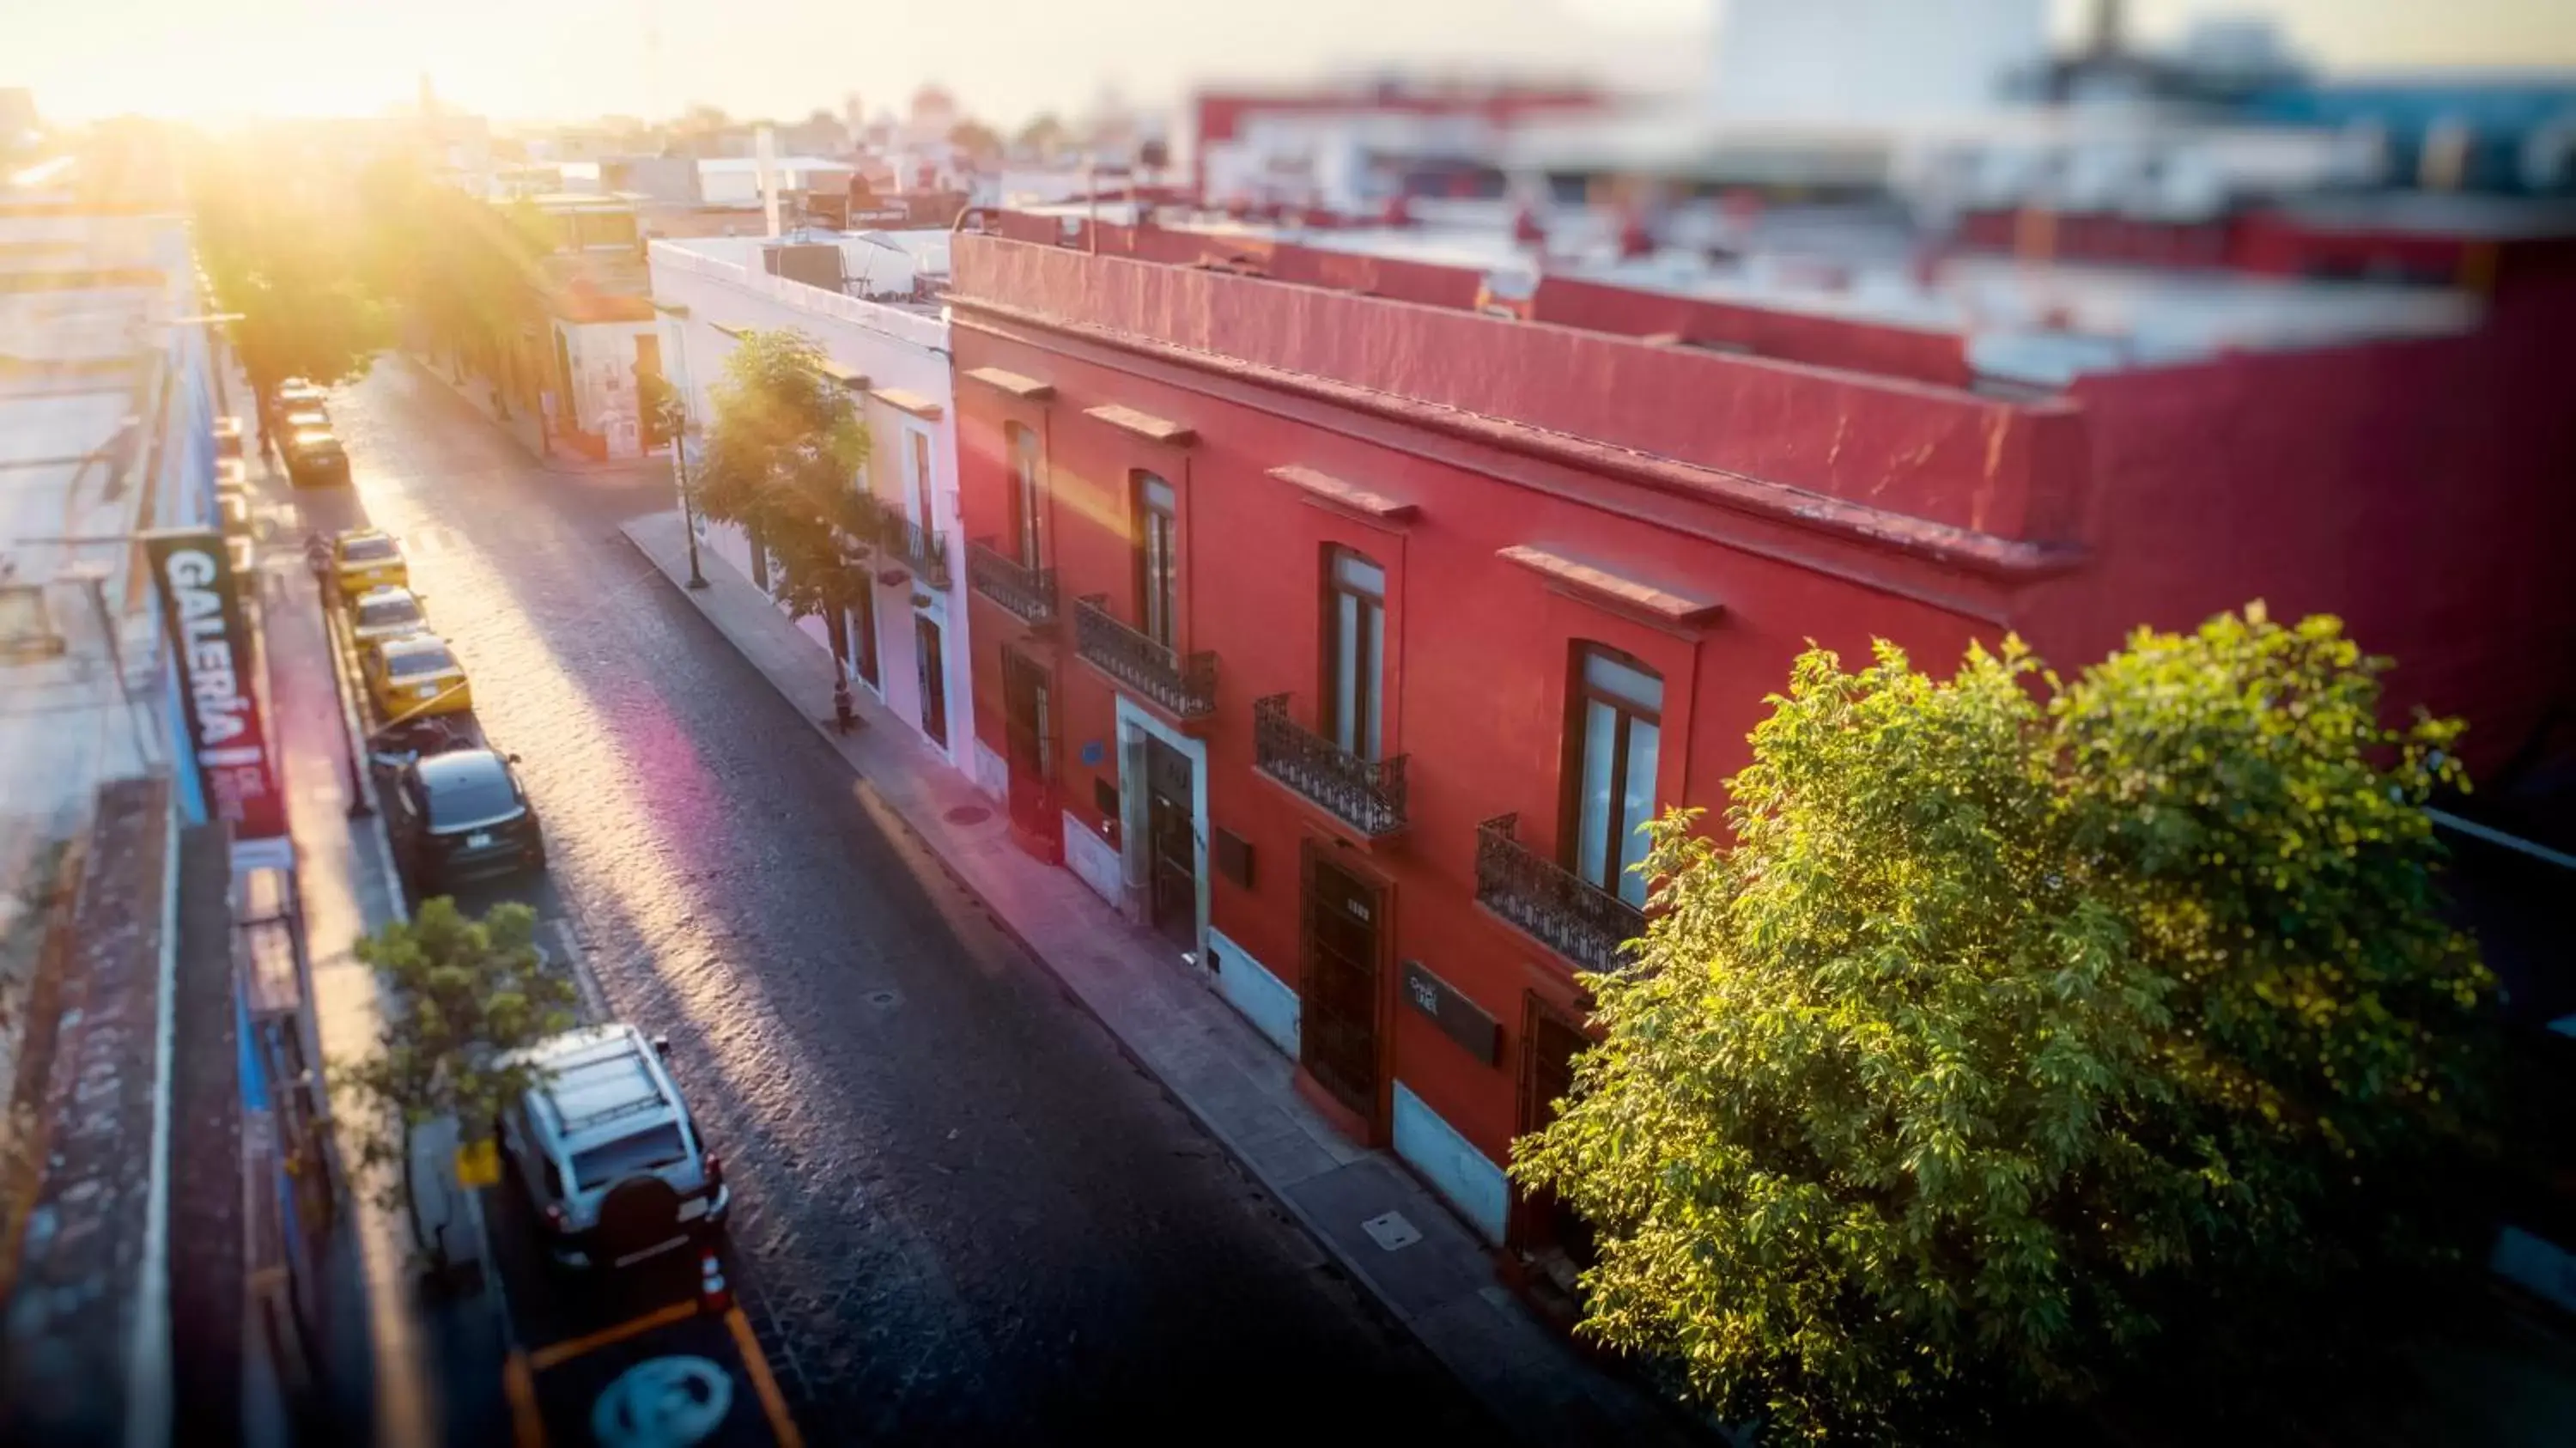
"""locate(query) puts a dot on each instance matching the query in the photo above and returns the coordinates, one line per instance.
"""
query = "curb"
(1378, 1296)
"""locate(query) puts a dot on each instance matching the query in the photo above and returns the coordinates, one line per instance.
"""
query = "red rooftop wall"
(1935, 454)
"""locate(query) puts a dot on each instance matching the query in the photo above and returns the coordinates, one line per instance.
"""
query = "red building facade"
(1344, 638)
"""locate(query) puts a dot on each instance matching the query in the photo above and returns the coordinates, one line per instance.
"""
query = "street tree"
(460, 994)
(2028, 1032)
(781, 458)
(284, 260)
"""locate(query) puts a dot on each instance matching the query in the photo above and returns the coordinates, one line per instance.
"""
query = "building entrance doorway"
(1028, 743)
(1555, 1241)
(1171, 846)
(1344, 922)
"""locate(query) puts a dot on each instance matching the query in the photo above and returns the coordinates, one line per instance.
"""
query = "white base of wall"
(1457, 1170)
(1090, 857)
(1248, 986)
(992, 772)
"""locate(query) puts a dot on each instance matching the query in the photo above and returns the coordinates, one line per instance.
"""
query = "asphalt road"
(961, 1215)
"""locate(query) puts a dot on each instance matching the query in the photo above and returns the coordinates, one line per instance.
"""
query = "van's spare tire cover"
(640, 1212)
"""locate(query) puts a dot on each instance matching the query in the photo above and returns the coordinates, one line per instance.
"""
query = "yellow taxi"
(414, 678)
(366, 559)
(386, 611)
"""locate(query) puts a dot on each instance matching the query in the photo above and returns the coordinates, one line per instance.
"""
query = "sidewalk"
(380, 1367)
(1239, 1087)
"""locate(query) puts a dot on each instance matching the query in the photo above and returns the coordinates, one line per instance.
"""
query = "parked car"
(414, 676)
(314, 458)
(365, 558)
(459, 814)
(296, 394)
(307, 419)
(386, 611)
(607, 1151)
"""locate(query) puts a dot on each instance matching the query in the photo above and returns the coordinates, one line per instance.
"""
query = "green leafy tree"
(284, 259)
(459, 996)
(2027, 1027)
(781, 456)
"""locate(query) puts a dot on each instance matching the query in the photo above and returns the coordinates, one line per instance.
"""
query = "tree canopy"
(283, 256)
(460, 994)
(2026, 1025)
(781, 459)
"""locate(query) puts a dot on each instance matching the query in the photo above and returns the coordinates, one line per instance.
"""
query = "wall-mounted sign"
(1093, 753)
(217, 672)
(1458, 1018)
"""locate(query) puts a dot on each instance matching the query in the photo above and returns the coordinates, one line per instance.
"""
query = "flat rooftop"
(86, 304)
(881, 267)
(2031, 323)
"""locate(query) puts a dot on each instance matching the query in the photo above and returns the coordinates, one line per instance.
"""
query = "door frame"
(1135, 725)
(1324, 851)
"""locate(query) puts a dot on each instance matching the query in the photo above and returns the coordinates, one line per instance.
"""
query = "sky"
(1004, 59)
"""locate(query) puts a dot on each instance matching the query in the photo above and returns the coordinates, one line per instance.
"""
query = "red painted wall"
(2421, 490)
(1478, 656)
(2425, 492)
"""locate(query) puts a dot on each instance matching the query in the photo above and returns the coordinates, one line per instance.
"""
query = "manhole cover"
(667, 1402)
(968, 814)
(1391, 1231)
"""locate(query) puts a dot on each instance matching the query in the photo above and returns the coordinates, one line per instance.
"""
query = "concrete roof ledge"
(1350, 497)
(918, 404)
(1143, 424)
(1028, 388)
(1626, 595)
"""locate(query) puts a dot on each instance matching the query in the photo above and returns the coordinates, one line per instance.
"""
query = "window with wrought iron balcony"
(1015, 576)
(1589, 903)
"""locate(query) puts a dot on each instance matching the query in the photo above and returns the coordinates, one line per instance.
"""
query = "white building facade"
(906, 645)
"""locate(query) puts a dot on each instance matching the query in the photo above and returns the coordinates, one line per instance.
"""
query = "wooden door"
(1344, 933)
(1171, 844)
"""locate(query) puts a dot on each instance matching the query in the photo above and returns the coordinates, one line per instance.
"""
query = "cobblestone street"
(961, 1214)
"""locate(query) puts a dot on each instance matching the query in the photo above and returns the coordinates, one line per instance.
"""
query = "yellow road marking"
(556, 1353)
(771, 1400)
(527, 1425)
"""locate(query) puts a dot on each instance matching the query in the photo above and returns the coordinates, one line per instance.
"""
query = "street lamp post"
(674, 410)
(688, 496)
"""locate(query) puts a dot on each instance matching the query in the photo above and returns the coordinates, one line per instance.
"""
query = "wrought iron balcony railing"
(924, 550)
(1570, 915)
(1028, 592)
(1184, 685)
(1364, 793)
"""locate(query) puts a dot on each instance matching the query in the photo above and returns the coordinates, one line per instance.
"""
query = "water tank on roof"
(815, 263)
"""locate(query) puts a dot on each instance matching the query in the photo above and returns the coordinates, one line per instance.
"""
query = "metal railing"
(1560, 909)
(1183, 684)
(924, 549)
(1025, 591)
(1366, 794)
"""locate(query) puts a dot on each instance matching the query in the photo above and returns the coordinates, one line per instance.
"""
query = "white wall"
(603, 381)
(895, 349)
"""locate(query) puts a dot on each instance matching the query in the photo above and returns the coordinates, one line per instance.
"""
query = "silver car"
(607, 1151)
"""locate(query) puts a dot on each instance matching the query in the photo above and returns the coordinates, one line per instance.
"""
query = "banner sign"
(201, 609)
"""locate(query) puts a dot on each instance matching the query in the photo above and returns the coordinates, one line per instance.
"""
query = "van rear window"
(644, 1151)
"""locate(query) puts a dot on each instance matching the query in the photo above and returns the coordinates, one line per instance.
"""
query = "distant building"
(1351, 149)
